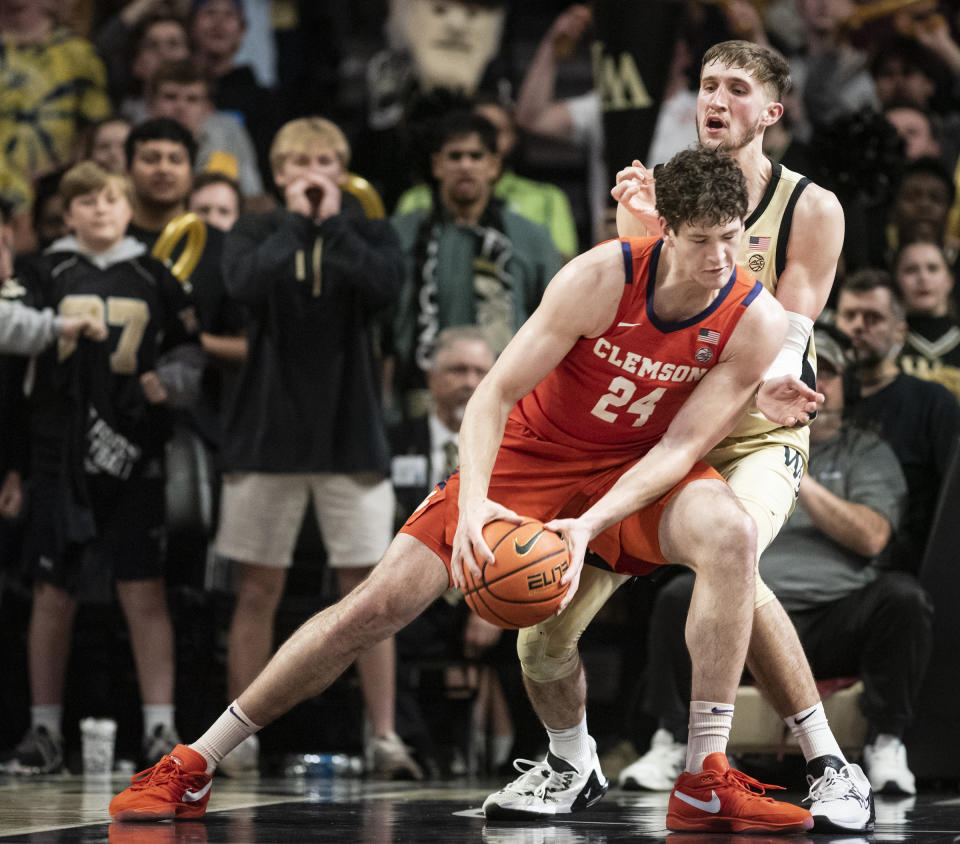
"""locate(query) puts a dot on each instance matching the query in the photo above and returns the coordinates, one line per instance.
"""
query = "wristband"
(789, 360)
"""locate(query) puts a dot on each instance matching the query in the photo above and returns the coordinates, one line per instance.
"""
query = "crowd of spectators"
(309, 350)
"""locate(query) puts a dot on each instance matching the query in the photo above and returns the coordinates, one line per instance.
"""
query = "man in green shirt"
(470, 260)
(540, 202)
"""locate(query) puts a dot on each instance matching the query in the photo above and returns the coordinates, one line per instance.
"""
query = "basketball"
(522, 587)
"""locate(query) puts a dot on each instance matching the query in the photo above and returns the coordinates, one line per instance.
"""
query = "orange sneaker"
(178, 786)
(723, 799)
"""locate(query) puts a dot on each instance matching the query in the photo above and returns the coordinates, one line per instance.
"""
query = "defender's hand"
(576, 535)
(635, 190)
(787, 401)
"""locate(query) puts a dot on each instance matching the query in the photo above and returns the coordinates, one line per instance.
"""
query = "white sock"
(229, 730)
(49, 716)
(158, 715)
(813, 733)
(572, 744)
(709, 731)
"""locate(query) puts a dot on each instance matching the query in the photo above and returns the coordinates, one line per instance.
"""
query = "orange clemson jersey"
(624, 387)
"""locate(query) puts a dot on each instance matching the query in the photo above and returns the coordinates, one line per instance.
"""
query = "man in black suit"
(425, 447)
(425, 452)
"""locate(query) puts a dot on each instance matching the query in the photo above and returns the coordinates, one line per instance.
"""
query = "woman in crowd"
(931, 348)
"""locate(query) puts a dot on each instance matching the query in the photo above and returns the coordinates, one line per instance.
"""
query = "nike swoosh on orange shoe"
(712, 805)
(194, 796)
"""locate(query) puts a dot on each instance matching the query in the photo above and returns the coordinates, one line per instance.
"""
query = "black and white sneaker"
(39, 752)
(548, 788)
(157, 743)
(840, 798)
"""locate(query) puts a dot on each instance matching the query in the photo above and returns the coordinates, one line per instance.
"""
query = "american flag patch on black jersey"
(707, 335)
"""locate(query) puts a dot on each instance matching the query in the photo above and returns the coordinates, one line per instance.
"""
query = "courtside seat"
(758, 729)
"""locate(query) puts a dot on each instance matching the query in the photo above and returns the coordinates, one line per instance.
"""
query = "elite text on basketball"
(542, 579)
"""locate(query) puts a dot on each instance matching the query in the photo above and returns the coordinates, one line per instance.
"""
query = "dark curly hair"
(700, 186)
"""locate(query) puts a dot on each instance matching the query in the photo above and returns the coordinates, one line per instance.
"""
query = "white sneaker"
(547, 788)
(243, 760)
(886, 764)
(388, 758)
(658, 768)
(841, 800)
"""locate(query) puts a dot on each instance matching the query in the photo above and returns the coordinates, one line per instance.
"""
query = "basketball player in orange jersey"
(640, 357)
(794, 233)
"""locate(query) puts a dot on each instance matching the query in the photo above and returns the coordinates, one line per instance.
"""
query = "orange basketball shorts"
(546, 480)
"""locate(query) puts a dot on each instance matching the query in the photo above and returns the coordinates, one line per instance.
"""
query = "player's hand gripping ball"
(523, 587)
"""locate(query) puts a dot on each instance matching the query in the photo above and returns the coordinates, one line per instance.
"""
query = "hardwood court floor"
(70, 810)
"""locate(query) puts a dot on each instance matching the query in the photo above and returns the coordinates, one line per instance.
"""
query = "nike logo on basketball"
(194, 796)
(712, 806)
(804, 718)
(527, 546)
